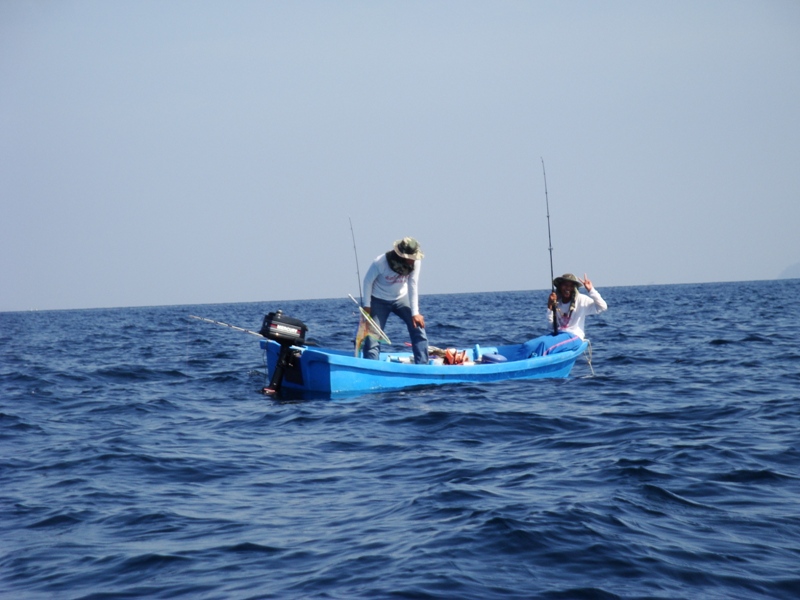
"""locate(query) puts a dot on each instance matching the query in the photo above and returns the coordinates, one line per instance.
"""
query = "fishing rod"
(365, 315)
(226, 325)
(358, 271)
(371, 321)
(550, 242)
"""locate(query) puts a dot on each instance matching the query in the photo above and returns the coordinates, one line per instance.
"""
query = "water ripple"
(139, 461)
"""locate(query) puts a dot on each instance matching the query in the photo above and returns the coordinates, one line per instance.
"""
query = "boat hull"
(322, 371)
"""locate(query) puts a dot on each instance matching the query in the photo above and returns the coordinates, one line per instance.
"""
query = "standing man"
(391, 286)
(572, 307)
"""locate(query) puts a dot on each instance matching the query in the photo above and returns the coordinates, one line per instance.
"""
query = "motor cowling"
(288, 332)
(284, 330)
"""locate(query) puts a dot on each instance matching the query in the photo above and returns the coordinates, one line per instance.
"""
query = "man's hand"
(551, 302)
(419, 321)
(586, 283)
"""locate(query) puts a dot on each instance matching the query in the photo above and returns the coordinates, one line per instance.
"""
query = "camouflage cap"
(408, 247)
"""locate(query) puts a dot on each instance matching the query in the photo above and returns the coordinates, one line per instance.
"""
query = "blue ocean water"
(138, 459)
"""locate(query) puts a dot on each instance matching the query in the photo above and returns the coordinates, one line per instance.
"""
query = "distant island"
(792, 272)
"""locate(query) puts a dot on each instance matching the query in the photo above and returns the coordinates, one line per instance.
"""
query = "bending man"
(391, 286)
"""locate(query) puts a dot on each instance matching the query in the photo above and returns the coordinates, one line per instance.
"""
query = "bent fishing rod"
(550, 242)
(358, 271)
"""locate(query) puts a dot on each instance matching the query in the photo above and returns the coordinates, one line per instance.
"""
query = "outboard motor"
(287, 332)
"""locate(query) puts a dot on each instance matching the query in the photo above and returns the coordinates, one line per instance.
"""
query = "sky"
(196, 152)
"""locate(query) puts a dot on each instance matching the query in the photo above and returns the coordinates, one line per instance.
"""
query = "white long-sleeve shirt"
(381, 282)
(593, 304)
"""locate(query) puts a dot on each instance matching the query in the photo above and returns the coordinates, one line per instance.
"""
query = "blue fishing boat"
(293, 366)
(326, 371)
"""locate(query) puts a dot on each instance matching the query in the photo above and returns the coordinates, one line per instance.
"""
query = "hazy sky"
(189, 152)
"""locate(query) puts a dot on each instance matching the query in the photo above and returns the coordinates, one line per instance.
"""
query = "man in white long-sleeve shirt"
(391, 286)
(572, 307)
